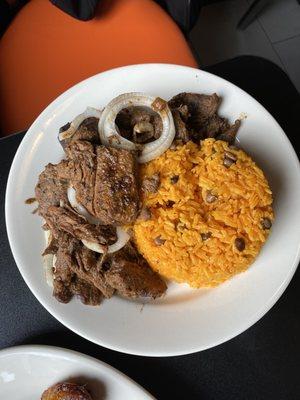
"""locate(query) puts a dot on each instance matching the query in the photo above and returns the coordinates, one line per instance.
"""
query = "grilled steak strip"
(65, 219)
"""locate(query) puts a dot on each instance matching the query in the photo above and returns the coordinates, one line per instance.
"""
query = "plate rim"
(38, 349)
(192, 349)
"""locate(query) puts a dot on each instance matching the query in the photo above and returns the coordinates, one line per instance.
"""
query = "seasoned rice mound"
(197, 238)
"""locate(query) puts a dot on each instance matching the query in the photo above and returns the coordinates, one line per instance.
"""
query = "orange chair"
(45, 51)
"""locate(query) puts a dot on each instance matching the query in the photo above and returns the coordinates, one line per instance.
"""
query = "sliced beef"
(130, 274)
(139, 124)
(65, 219)
(66, 283)
(116, 198)
(200, 106)
(87, 293)
(63, 275)
(88, 268)
(196, 118)
(134, 280)
(50, 189)
(105, 181)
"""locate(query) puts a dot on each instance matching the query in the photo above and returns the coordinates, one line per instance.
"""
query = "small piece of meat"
(88, 130)
(88, 268)
(132, 118)
(151, 184)
(182, 132)
(129, 273)
(134, 280)
(50, 189)
(230, 134)
(65, 219)
(214, 126)
(200, 106)
(116, 197)
(66, 391)
(196, 118)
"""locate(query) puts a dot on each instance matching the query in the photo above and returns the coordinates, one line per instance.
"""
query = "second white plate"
(26, 371)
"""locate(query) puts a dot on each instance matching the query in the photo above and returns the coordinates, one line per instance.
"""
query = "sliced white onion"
(110, 136)
(122, 236)
(49, 261)
(71, 193)
(77, 121)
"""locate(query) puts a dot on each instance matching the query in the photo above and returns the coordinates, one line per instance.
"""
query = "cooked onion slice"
(71, 193)
(123, 238)
(108, 130)
(77, 121)
(49, 261)
(122, 235)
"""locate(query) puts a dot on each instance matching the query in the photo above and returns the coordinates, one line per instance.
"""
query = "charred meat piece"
(139, 124)
(134, 280)
(88, 131)
(87, 268)
(182, 132)
(116, 198)
(151, 184)
(50, 189)
(66, 391)
(130, 274)
(230, 133)
(65, 219)
(196, 117)
(201, 107)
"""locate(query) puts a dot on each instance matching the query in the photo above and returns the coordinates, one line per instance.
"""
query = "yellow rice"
(244, 198)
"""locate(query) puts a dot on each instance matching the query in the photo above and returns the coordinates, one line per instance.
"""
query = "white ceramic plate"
(186, 320)
(26, 371)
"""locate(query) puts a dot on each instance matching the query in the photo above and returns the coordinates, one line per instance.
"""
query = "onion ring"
(110, 136)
